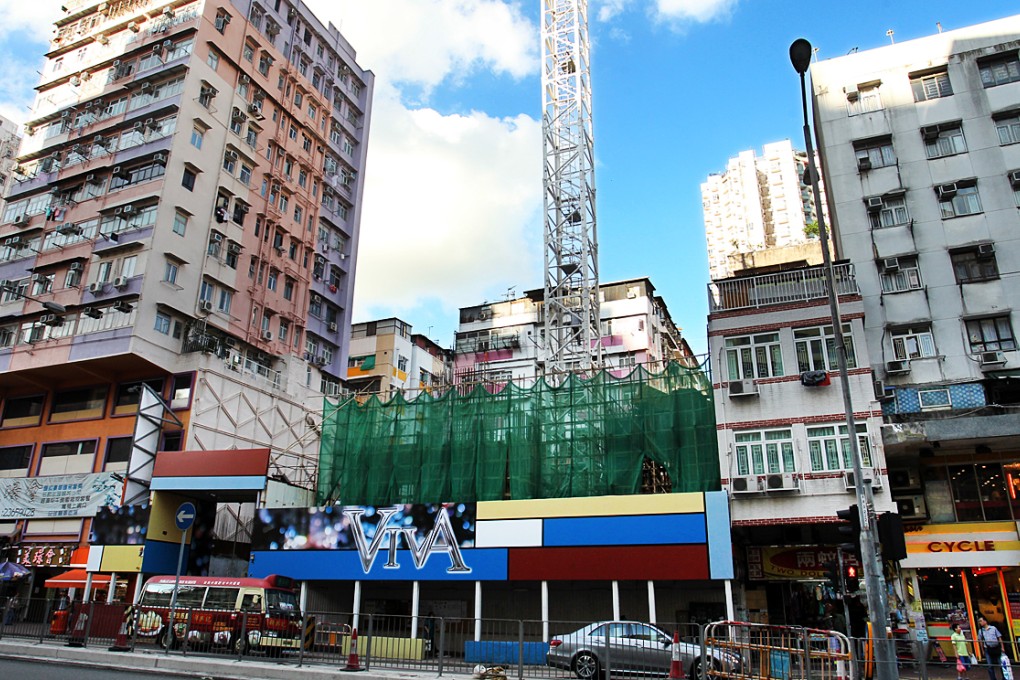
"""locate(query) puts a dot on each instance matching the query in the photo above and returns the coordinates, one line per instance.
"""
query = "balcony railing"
(780, 288)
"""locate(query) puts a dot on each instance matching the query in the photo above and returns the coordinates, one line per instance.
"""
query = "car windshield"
(282, 600)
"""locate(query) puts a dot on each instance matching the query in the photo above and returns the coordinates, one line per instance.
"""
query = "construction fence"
(491, 648)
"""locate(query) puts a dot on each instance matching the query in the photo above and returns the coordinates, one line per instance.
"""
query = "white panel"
(95, 558)
(53, 526)
(509, 533)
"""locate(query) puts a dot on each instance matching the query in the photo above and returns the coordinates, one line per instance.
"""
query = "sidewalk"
(196, 666)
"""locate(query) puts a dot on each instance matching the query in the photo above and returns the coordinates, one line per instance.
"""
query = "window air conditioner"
(205, 305)
(267, 335)
(870, 476)
(741, 485)
(1014, 177)
(891, 264)
(992, 359)
(898, 367)
(51, 320)
(91, 178)
(120, 282)
(986, 250)
(875, 204)
(930, 132)
(234, 248)
(92, 313)
(216, 238)
(332, 327)
(864, 164)
(882, 392)
(20, 220)
(743, 388)
(947, 190)
(127, 210)
(69, 230)
(904, 478)
(782, 482)
(76, 267)
(912, 507)
(96, 287)
(39, 278)
(159, 159)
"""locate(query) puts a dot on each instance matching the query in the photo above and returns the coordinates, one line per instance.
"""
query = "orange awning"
(75, 578)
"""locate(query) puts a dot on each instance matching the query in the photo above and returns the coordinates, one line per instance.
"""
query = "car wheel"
(586, 666)
(696, 669)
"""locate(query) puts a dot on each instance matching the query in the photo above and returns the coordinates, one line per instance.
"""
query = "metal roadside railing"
(724, 650)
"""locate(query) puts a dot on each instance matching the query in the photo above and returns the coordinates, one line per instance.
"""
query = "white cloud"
(610, 8)
(35, 17)
(700, 11)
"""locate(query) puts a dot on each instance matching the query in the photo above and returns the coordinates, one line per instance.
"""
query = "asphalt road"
(44, 670)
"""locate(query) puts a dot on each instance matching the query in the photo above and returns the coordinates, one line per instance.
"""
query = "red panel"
(230, 463)
(615, 563)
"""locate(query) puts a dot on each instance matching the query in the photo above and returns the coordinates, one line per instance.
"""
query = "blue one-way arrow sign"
(185, 516)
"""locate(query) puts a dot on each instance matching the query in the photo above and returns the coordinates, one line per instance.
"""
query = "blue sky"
(452, 212)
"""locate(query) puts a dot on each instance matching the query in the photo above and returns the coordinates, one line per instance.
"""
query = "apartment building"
(759, 206)
(387, 357)
(501, 341)
(9, 141)
(183, 217)
(920, 146)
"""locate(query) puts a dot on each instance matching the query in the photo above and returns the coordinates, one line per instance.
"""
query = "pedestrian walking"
(991, 642)
(960, 647)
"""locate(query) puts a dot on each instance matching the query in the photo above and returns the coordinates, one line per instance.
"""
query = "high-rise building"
(9, 141)
(185, 217)
(759, 203)
(920, 144)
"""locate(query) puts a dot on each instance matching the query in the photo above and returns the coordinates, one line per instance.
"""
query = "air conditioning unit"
(39, 278)
(853, 95)
(986, 250)
(51, 320)
(870, 476)
(76, 267)
(267, 335)
(127, 210)
(875, 204)
(930, 132)
(245, 78)
(133, 26)
(992, 359)
(309, 356)
(1014, 177)
(120, 282)
(121, 172)
(234, 248)
(904, 478)
(92, 179)
(216, 238)
(332, 327)
(782, 482)
(751, 484)
(20, 220)
(743, 388)
(96, 287)
(92, 313)
(205, 305)
(946, 190)
(14, 242)
(102, 40)
(69, 230)
(123, 306)
(891, 264)
(159, 158)
(912, 507)
(864, 164)
(883, 393)
(897, 367)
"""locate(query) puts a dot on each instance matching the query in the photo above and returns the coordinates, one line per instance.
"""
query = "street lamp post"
(800, 56)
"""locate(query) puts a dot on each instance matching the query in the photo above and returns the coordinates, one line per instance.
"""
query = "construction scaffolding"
(506, 441)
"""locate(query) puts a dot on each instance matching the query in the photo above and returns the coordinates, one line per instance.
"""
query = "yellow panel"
(122, 559)
(596, 506)
(963, 528)
(967, 547)
(162, 526)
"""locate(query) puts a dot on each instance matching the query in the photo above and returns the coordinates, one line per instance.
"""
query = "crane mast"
(572, 328)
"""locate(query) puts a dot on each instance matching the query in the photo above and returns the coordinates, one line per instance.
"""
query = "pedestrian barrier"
(747, 651)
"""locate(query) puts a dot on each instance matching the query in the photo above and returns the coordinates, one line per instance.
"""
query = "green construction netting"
(584, 437)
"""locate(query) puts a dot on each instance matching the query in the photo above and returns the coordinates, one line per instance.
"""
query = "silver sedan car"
(633, 648)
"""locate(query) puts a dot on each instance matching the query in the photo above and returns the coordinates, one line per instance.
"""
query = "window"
(874, 153)
(129, 395)
(887, 211)
(816, 348)
(162, 323)
(265, 61)
(932, 85)
(770, 451)
(248, 52)
(245, 175)
(288, 290)
(230, 161)
(170, 271)
(934, 400)
(990, 335)
(905, 275)
(82, 448)
(754, 356)
(273, 277)
(284, 330)
(944, 140)
(226, 298)
(15, 457)
(974, 264)
(180, 393)
(824, 447)
(118, 450)
(78, 404)
(205, 292)
(197, 135)
(180, 223)
(213, 59)
(188, 179)
(206, 95)
(1008, 129)
(864, 100)
(914, 342)
(999, 70)
(22, 411)
(957, 199)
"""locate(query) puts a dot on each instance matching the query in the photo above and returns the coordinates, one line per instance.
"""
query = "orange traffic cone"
(676, 669)
(353, 664)
(77, 637)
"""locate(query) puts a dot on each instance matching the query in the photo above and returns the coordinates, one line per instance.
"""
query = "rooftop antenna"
(890, 33)
(938, 25)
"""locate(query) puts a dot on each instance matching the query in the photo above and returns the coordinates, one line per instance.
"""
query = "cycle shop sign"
(56, 496)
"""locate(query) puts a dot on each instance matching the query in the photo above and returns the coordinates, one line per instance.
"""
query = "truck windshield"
(281, 600)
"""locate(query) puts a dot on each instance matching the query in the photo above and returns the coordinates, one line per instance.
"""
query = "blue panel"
(486, 564)
(720, 546)
(626, 530)
(243, 483)
(160, 557)
(504, 653)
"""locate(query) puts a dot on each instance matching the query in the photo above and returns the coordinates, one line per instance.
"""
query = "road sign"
(185, 516)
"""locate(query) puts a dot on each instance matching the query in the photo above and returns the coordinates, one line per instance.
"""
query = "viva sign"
(440, 539)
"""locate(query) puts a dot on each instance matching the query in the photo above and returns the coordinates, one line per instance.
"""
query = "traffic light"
(851, 578)
(834, 576)
(852, 530)
(890, 535)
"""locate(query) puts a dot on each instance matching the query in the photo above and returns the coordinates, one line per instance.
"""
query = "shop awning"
(75, 578)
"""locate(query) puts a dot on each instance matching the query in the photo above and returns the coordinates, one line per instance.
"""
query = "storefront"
(956, 572)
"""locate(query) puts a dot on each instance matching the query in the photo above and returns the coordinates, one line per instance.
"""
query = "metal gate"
(780, 652)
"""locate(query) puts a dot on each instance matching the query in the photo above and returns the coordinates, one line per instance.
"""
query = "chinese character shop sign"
(56, 496)
(45, 555)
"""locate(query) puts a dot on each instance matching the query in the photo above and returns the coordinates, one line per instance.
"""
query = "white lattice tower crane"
(572, 338)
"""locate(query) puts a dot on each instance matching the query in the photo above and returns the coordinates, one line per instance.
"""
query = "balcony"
(780, 288)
